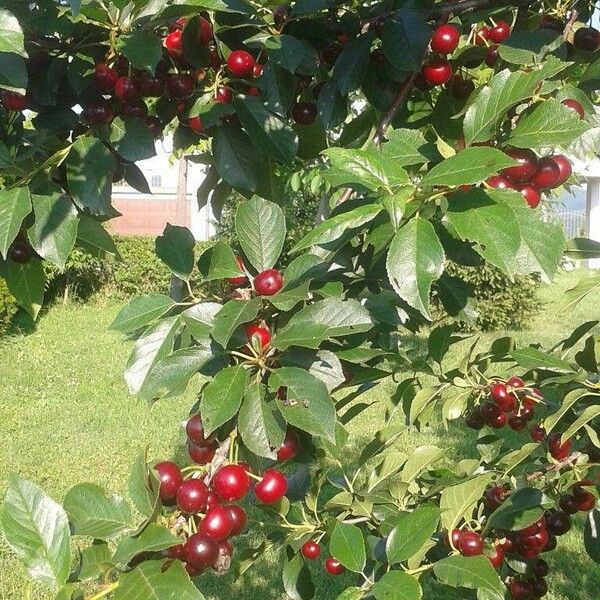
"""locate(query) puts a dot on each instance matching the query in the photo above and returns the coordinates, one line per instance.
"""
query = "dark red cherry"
(201, 455)
(20, 252)
(515, 382)
(445, 39)
(461, 88)
(531, 195)
(98, 113)
(557, 450)
(205, 31)
(550, 22)
(13, 100)
(526, 167)
(537, 433)
(499, 182)
(521, 590)
(564, 166)
(155, 126)
(568, 504)
(180, 86)
(272, 487)
(540, 588)
(231, 482)
(491, 56)
(586, 501)
(263, 334)
(505, 401)
(174, 43)
(482, 36)
(474, 419)
(201, 550)
(437, 72)
(240, 63)
(139, 110)
(105, 77)
(152, 87)
(517, 422)
(170, 478)
(334, 566)
(127, 90)
(311, 550)
(195, 124)
(558, 523)
(290, 447)
(237, 516)
(547, 174)
(454, 537)
(495, 496)
(496, 556)
(224, 95)
(489, 411)
(540, 568)
(587, 39)
(499, 32)
(507, 545)
(217, 523)
(191, 496)
(212, 499)
(253, 91)
(470, 543)
(195, 431)
(304, 113)
(576, 106)
(268, 283)
(528, 547)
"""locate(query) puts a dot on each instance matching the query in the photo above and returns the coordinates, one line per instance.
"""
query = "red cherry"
(474, 419)
(455, 536)
(515, 382)
(195, 124)
(152, 87)
(212, 499)
(531, 194)
(127, 90)
(552, 543)
(272, 487)
(170, 478)
(526, 167)
(521, 590)
(205, 31)
(13, 100)
(507, 545)
(499, 182)
(505, 401)
(557, 450)
(540, 568)
(490, 411)
(437, 72)
(537, 433)
(587, 39)
(528, 547)
(564, 166)
(495, 496)
(586, 501)
(496, 556)
(290, 447)
(499, 32)
(547, 175)
(174, 43)
(179, 23)
(200, 551)
(568, 504)
(99, 113)
(257, 70)
(333, 566)
(242, 279)
(139, 110)
(482, 36)
(540, 588)
(105, 77)
(517, 422)
(576, 106)
(240, 63)
(201, 455)
(253, 91)
(550, 22)
(175, 552)
(311, 550)
(180, 86)
(217, 523)
(268, 283)
(191, 496)
(231, 482)
(491, 56)
(558, 523)
(155, 126)
(237, 516)
(194, 430)
(264, 335)
(224, 95)
(225, 548)
(445, 39)
(304, 113)
(470, 543)
(533, 528)
(461, 89)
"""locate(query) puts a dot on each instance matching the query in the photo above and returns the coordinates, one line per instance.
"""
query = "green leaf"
(218, 262)
(260, 228)
(12, 40)
(170, 375)
(143, 486)
(200, 317)
(95, 514)
(475, 572)
(550, 124)
(152, 581)
(95, 560)
(521, 509)
(421, 458)
(132, 139)
(297, 580)
(261, 432)
(26, 282)
(406, 36)
(334, 227)
(175, 247)
(231, 316)
(153, 345)
(414, 261)
(411, 532)
(351, 65)
(472, 165)
(222, 397)
(348, 546)
(396, 585)
(582, 248)
(490, 224)
(588, 414)
(90, 168)
(141, 311)
(142, 48)
(578, 293)
(15, 205)
(153, 539)
(37, 530)
(532, 358)
(405, 147)
(524, 47)
(292, 54)
(458, 501)
(13, 72)
(269, 132)
(308, 405)
(236, 159)
(591, 535)
(93, 238)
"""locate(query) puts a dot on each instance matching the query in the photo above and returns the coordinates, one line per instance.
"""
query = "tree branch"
(455, 8)
(555, 468)
(570, 23)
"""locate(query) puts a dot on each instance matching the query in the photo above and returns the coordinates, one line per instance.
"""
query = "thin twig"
(569, 27)
(455, 8)
(555, 468)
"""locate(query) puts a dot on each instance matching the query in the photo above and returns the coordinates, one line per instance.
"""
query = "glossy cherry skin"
(499, 182)
(174, 43)
(496, 556)
(437, 72)
(531, 195)
(216, 523)
(212, 499)
(272, 487)
(268, 283)
(170, 478)
(453, 537)
(505, 401)
(482, 36)
(547, 175)
(558, 523)
(205, 31)
(557, 450)
(564, 166)
(445, 39)
(240, 63)
(238, 518)
(521, 590)
(499, 32)
(152, 87)
(515, 382)
(155, 126)
(195, 431)
(139, 110)
(489, 411)
(192, 495)
(586, 501)
(263, 334)
(491, 56)
(224, 95)
(528, 547)
(568, 504)
(257, 70)
(470, 543)
(105, 77)
(13, 100)
(495, 496)
(333, 566)
(576, 106)
(537, 433)
(587, 39)
(304, 113)
(174, 552)
(180, 86)
(311, 550)
(127, 90)
(290, 447)
(231, 483)
(527, 165)
(201, 550)
(201, 455)
(195, 124)
(98, 113)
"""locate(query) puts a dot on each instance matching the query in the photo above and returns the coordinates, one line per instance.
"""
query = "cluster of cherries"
(215, 515)
(526, 544)
(311, 550)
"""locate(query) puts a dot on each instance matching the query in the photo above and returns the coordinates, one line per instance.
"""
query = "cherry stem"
(254, 476)
(105, 592)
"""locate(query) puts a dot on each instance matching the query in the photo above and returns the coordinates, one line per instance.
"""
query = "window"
(156, 181)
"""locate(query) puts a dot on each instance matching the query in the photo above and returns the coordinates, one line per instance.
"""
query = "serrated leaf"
(93, 237)
(26, 282)
(521, 509)
(292, 53)
(199, 318)
(218, 262)
(352, 64)
(142, 48)
(405, 147)
(175, 247)
(406, 35)
(15, 205)
(347, 544)
(411, 531)
(458, 501)
(233, 314)
(397, 585)
(143, 486)
(532, 358)
(95, 560)
(153, 539)
(12, 40)
(297, 581)
(588, 414)
(474, 572)
(132, 139)
(141, 311)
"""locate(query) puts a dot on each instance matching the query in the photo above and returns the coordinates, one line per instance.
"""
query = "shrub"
(8, 307)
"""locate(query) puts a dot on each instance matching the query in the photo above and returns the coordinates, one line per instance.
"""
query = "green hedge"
(8, 306)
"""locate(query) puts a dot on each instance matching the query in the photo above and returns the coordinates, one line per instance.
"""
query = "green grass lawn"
(67, 418)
